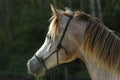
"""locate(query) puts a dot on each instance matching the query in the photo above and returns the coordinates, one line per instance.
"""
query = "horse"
(73, 35)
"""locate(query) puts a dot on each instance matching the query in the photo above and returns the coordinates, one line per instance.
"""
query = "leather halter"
(59, 46)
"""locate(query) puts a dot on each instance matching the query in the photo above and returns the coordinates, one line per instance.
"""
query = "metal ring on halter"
(59, 46)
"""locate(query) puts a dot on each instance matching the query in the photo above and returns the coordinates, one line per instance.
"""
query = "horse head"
(62, 42)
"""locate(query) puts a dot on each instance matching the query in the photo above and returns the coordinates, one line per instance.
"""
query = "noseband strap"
(40, 60)
(59, 46)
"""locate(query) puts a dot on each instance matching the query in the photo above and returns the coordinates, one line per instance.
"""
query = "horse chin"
(40, 73)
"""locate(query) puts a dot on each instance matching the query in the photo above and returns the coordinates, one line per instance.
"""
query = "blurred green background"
(24, 24)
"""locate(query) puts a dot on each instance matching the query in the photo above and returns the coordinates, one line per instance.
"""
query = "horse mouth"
(37, 73)
(40, 73)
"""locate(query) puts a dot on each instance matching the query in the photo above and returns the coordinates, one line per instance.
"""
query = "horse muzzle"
(35, 68)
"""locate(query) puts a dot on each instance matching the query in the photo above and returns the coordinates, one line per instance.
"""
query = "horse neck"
(97, 72)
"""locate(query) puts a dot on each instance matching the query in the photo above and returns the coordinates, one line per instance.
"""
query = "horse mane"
(53, 28)
(99, 42)
(102, 45)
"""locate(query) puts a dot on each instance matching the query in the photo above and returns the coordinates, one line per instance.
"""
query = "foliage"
(111, 15)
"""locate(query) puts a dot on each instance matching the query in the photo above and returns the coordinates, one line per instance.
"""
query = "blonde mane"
(53, 28)
(102, 45)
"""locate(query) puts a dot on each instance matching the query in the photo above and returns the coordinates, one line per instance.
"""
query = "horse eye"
(49, 37)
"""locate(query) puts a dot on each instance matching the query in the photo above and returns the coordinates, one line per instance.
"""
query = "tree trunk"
(81, 5)
(70, 3)
(66, 73)
(99, 9)
(55, 3)
(7, 20)
(48, 2)
(92, 7)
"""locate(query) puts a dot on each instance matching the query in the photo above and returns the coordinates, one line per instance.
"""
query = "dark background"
(24, 24)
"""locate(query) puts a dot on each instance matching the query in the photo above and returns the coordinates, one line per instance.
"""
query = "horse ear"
(55, 12)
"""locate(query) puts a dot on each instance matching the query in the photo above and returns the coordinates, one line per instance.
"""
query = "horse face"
(47, 54)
